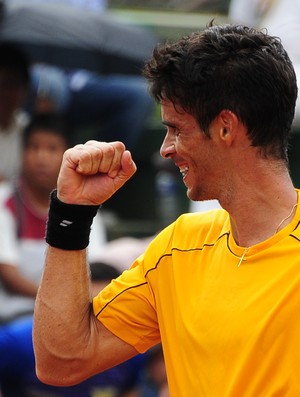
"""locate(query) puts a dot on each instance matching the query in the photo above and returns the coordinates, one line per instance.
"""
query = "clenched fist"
(90, 173)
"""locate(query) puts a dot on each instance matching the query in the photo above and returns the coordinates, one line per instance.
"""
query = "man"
(220, 289)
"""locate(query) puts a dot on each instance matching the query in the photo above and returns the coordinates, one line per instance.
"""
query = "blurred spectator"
(112, 106)
(14, 80)
(23, 214)
(49, 91)
(115, 107)
(17, 364)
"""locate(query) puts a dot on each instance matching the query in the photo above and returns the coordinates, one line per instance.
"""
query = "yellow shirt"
(226, 330)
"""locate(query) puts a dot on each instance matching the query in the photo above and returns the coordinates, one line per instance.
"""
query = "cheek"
(30, 160)
(53, 158)
(201, 168)
(57, 161)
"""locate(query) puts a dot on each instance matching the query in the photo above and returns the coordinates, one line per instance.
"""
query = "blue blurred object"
(17, 369)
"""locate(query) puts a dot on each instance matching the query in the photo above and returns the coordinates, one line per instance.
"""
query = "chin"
(196, 195)
(192, 195)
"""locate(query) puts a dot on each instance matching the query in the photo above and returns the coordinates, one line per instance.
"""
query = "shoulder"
(200, 223)
(192, 230)
(214, 217)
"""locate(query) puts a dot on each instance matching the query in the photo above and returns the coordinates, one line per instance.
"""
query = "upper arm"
(110, 349)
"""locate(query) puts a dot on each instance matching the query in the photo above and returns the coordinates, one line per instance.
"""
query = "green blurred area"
(170, 19)
(220, 6)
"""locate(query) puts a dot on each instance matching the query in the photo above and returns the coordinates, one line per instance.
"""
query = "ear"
(226, 126)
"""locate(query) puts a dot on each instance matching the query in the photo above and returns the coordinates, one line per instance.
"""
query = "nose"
(167, 148)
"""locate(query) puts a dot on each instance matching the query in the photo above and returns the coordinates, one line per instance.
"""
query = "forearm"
(62, 316)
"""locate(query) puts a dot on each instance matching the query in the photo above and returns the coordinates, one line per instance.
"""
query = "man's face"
(42, 158)
(192, 151)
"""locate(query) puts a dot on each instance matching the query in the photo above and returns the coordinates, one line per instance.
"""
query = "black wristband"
(69, 225)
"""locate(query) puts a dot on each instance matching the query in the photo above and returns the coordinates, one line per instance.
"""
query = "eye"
(174, 130)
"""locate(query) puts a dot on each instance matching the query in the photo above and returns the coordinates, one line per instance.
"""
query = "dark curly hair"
(230, 67)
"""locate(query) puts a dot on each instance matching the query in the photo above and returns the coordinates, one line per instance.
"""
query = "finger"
(128, 168)
(128, 165)
(104, 157)
(116, 161)
(92, 157)
(72, 157)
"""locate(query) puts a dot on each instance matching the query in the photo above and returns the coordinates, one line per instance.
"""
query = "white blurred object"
(122, 251)
(202, 206)
(281, 18)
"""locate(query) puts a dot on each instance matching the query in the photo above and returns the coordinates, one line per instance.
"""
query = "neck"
(261, 212)
(255, 189)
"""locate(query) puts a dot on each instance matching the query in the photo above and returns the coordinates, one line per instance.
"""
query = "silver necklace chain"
(242, 258)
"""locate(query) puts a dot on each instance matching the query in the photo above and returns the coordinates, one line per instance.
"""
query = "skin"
(223, 166)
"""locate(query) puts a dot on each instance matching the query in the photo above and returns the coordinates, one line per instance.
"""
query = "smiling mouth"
(184, 171)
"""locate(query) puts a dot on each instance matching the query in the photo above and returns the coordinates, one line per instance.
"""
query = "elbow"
(53, 368)
(58, 365)
(59, 372)
(47, 377)
(58, 360)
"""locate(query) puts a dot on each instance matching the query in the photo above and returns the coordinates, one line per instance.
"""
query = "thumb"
(127, 163)
(127, 169)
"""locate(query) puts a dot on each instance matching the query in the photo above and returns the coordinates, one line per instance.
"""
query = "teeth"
(183, 171)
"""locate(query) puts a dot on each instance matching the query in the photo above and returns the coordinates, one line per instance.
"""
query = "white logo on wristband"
(65, 223)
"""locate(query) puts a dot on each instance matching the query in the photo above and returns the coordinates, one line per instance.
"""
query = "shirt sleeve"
(127, 308)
